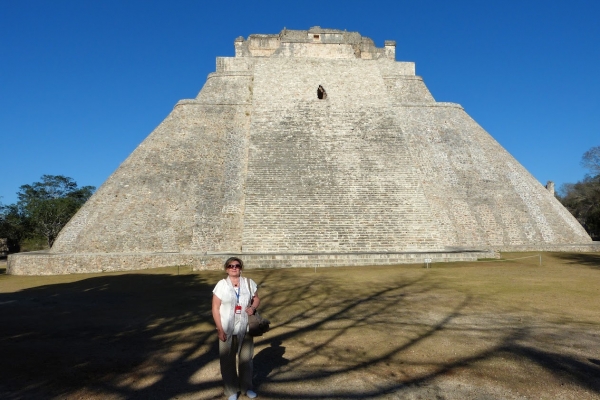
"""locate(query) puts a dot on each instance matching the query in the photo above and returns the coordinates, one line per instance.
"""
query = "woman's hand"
(251, 309)
(216, 304)
(222, 335)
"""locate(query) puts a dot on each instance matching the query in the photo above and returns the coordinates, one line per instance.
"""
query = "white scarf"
(244, 301)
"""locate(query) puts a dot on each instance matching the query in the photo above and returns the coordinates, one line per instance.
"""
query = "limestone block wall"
(227, 88)
(314, 43)
(334, 174)
(407, 89)
(279, 81)
(378, 165)
(161, 195)
(393, 68)
(150, 202)
(316, 50)
(479, 193)
(182, 189)
(234, 64)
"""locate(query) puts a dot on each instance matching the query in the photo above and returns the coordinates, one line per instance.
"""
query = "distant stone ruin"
(550, 187)
(374, 171)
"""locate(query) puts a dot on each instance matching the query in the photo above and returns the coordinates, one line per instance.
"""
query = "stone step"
(306, 260)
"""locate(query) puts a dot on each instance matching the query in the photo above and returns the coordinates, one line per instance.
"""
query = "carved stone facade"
(375, 172)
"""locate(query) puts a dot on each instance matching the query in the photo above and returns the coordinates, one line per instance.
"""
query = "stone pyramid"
(374, 172)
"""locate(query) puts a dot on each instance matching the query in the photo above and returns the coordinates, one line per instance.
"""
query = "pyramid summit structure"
(310, 148)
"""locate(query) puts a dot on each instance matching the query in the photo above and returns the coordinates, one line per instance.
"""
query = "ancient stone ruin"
(372, 170)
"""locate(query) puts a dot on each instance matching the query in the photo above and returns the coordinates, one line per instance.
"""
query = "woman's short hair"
(230, 259)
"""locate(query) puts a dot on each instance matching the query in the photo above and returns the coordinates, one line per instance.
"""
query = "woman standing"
(231, 305)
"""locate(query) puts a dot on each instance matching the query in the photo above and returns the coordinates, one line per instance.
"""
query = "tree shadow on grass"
(100, 334)
(588, 259)
(147, 336)
(388, 309)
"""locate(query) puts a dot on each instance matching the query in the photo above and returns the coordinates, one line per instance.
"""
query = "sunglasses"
(231, 266)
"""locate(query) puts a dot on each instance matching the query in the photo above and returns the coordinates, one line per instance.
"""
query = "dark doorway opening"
(321, 93)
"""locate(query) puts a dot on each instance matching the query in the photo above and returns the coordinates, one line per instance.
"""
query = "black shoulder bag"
(257, 325)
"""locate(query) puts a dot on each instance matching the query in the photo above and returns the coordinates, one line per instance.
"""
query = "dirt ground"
(485, 330)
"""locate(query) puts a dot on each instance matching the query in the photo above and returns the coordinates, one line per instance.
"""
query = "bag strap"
(249, 290)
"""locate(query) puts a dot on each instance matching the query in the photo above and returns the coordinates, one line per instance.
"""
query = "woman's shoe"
(251, 394)
(233, 397)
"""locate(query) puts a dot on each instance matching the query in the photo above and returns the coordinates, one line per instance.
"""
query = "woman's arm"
(216, 313)
(254, 304)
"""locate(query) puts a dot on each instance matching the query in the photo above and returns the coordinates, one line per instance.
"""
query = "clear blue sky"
(82, 83)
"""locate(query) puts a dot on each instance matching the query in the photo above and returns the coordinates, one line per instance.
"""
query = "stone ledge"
(437, 104)
(46, 263)
(229, 73)
(203, 103)
(193, 102)
(403, 77)
(592, 247)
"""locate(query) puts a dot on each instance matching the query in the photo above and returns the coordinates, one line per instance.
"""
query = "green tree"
(582, 199)
(45, 207)
(12, 226)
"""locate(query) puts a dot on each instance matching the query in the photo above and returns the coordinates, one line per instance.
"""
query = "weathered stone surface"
(258, 165)
(44, 263)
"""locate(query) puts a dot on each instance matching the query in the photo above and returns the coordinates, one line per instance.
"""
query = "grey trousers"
(227, 355)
